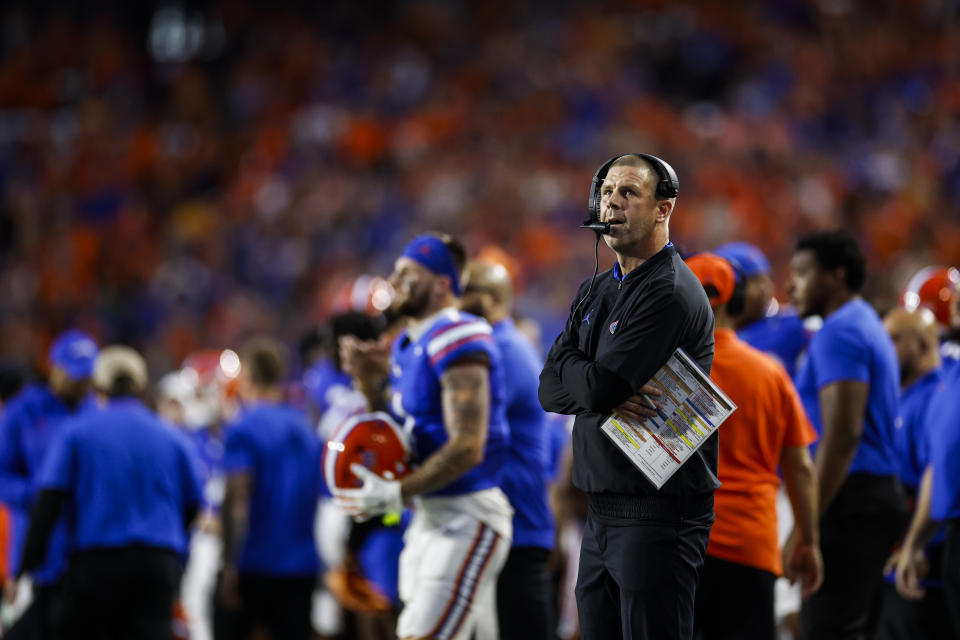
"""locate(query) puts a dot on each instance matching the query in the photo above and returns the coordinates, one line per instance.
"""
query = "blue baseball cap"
(746, 257)
(75, 352)
(432, 253)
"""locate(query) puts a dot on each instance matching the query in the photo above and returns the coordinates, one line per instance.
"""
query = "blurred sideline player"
(761, 323)
(199, 398)
(523, 591)
(938, 501)
(357, 561)
(444, 375)
(849, 383)
(567, 504)
(272, 465)
(331, 399)
(28, 426)
(768, 431)
(915, 335)
(130, 488)
(779, 332)
(361, 558)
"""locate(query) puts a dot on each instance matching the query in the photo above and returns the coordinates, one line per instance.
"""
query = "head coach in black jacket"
(642, 548)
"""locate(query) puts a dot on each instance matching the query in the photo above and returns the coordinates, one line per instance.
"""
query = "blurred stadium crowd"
(178, 178)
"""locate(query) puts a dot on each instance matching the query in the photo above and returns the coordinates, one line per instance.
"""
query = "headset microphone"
(599, 227)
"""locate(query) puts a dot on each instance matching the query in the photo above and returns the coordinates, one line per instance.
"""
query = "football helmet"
(931, 287)
(371, 439)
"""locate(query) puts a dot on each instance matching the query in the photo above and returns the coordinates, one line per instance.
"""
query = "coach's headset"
(667, 187)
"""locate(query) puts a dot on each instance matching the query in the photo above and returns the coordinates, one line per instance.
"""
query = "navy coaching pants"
(638, 572)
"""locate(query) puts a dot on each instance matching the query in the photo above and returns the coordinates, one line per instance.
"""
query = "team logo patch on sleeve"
(613, 326)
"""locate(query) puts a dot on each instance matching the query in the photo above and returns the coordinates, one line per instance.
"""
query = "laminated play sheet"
(693, 407)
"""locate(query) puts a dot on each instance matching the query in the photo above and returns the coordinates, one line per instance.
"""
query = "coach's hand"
(377, 495)
(637, 407)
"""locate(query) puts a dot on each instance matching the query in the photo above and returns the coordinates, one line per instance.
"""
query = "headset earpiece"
(668, 185)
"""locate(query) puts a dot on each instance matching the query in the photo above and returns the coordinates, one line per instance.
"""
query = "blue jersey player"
(445, 385)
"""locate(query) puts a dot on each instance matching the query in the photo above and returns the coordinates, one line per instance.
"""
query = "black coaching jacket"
(612, 345)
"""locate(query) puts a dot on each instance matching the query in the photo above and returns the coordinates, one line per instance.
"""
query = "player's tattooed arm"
(466, 413)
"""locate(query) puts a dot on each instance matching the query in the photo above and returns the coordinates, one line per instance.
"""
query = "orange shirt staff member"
(770, 429)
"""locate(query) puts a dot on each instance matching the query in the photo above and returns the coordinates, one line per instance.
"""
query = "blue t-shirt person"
(28, 425)
(853, 345)
(129, 479)
(911, 439)
(275, 444)
(527, 466)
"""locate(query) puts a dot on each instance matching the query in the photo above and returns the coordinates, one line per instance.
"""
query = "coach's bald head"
(487, 291)
(916, 337)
